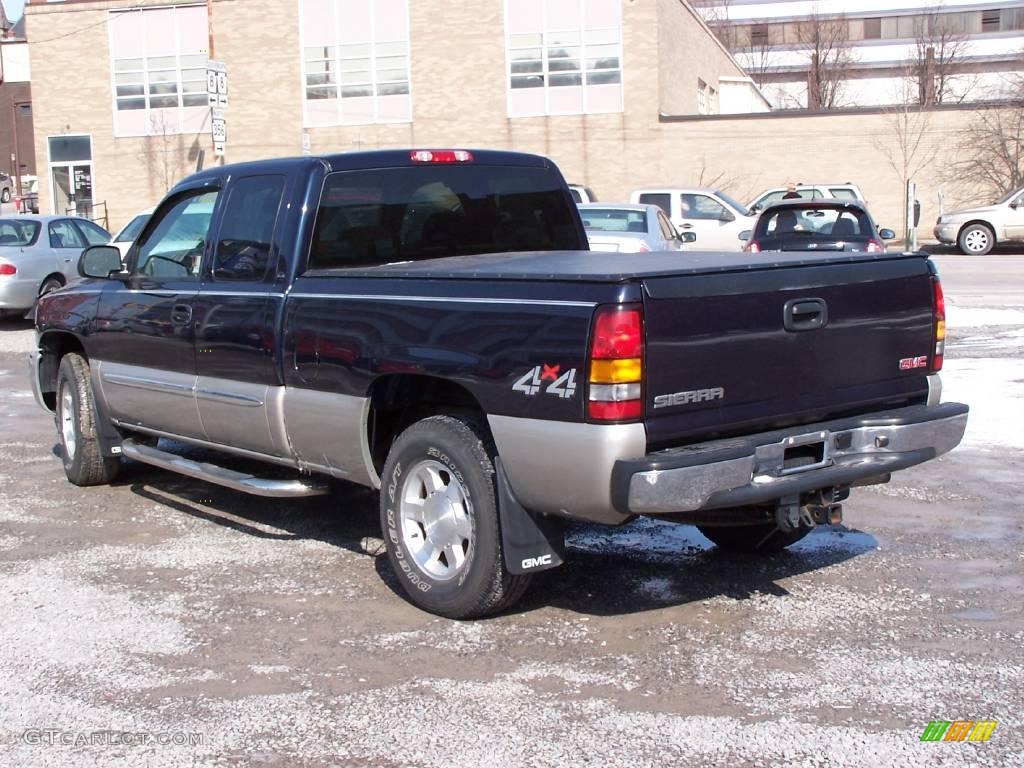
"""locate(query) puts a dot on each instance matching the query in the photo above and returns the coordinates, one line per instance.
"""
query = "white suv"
(846, 191)
(712, 215)
(976, 230)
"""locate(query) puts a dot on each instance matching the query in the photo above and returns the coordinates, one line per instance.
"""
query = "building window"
(355, 62)
(564, 57)
(759, 36)
(702, 97)
(990, 21)
(158, 66)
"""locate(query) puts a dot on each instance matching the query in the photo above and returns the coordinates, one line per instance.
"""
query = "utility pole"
(209, 27)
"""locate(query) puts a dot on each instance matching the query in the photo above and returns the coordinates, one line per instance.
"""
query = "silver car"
(630, 228)
(975, 231)
(39, 254)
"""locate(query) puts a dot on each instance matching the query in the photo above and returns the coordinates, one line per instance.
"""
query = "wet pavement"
(242, 631)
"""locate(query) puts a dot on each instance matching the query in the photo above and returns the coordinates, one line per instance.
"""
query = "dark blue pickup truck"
(431, 324)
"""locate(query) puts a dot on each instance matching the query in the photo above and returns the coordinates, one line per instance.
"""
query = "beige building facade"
(119, 85)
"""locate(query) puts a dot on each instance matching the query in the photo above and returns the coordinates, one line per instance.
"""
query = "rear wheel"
(84, 462)
(976, 240)
(439, 515)
(764, 538)
(50, 284)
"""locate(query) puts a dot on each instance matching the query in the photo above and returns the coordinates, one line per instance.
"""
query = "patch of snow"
(994, 388)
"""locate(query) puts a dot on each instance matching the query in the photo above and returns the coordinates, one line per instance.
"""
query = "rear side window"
(367, 218)
(844, 193)
(63, 234)
(247, 228)
(661, 199)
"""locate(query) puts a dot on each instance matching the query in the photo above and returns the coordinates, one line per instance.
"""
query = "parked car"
(6, 187)
(816, 225)
(975, 231)
(846, 191)
(39, 254)
(126, 236)
(630, 228)
(582, 194)
(429, 323)
(710, 214)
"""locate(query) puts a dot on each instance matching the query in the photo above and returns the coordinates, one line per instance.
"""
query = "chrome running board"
(238, 481)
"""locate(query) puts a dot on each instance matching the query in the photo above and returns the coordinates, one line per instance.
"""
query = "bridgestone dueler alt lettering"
(459, 455)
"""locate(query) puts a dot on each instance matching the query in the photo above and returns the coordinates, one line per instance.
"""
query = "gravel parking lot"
(166, 622)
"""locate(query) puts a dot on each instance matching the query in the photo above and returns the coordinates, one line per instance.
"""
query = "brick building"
(119, 86)
(17, 149)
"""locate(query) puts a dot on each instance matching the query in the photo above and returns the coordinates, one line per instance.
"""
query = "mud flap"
(530, 542)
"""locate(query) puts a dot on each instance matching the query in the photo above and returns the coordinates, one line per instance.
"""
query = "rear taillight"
(441, 156)
(939, 307)
(616, 363)
(752, 247)
(875, 247)
(8, 269)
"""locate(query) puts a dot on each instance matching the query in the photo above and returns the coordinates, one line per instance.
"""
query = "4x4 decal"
(562, 384)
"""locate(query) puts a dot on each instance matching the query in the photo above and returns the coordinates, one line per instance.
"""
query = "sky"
(13, 8)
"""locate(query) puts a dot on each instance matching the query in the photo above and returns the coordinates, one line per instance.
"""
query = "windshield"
(376, 217)
(132, 228)
(614, 220)
(18, 232)
(826, 223)
(742, 209)
(1008, 196)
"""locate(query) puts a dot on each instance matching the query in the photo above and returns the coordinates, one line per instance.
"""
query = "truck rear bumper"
(760, 468)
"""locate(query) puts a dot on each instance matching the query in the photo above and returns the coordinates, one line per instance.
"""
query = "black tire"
(463, 456)
(50, 284)
(5, 196)
(84, 462)
(976, 240)
(764, 538)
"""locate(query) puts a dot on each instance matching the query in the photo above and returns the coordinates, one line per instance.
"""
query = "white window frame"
(373, 42)
(50, 165)
(544, 65)
(175, 126)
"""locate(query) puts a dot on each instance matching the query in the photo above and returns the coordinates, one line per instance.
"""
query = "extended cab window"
(661, 199)
(174, 248)
(247, 228)
(381, 216)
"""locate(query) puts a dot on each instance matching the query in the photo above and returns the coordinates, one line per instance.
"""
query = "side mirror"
(1014, 205)
(886, 234)
(756, 208)
(745, 234)
(727, 216)
(99, 261)
(688, 237)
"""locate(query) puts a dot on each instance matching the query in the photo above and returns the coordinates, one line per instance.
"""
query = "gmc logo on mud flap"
(690, 396)
(535, 562)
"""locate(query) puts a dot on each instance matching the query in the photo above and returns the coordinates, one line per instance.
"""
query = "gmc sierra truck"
(430, 323)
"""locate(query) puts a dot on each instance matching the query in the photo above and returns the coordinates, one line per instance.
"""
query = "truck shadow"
(642, 566)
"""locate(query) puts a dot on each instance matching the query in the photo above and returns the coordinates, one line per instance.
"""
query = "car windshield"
(826, 222)
(132, 228)
(741, 209)
(1008, 196)
(18, 232)
(614, 220)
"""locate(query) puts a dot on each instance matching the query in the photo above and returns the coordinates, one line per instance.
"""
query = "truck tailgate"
(773, 346)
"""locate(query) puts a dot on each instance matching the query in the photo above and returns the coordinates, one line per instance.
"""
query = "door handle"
(687, 226)
(805, 314)
(181, 314)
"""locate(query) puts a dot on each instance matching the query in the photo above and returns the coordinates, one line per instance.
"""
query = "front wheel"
(764, 538)
(976, 240)
(84, 462)
(439, 516)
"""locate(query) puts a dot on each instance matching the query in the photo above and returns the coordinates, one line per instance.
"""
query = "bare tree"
(939, 49)
(826, 42)
(717, 16)
(990, 152)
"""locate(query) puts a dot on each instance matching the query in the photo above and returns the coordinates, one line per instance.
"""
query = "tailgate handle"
(805, 315)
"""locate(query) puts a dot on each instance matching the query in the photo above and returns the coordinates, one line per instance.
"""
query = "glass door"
(71, 175)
